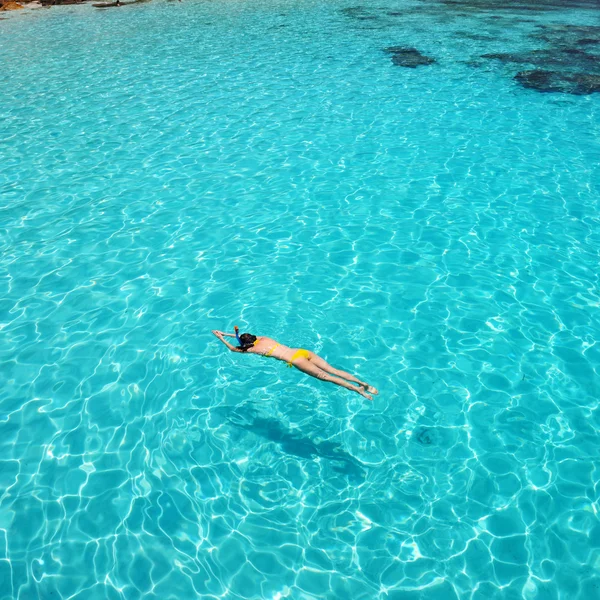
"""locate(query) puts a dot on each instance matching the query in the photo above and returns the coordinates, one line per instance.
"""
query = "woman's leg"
(307, 366)
(325, 366)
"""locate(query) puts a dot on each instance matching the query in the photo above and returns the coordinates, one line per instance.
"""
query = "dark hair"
(247, 340)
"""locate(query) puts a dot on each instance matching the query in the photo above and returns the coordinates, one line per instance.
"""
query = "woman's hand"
(222, 334)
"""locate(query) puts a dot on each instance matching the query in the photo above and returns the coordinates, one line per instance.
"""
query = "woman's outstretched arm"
(225, 334)
(220, 335)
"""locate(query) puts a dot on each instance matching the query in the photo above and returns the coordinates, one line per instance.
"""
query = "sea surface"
(170, 168)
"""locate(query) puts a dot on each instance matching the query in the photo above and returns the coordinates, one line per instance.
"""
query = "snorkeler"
(304, 360)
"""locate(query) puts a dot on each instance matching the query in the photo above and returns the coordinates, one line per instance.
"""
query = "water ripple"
(197, 165)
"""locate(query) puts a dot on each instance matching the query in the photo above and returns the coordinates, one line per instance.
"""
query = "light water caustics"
(175, 167)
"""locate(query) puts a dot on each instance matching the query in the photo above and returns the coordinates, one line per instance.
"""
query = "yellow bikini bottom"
(300, 353)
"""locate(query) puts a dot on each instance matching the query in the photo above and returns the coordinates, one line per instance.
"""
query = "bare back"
(266, 346)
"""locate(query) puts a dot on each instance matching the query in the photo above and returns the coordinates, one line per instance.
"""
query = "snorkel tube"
(237, 334)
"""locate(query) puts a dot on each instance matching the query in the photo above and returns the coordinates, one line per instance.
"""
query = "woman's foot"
(364, 394)
(369, 388)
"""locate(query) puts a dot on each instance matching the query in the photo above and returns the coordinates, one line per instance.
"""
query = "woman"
(304, 360)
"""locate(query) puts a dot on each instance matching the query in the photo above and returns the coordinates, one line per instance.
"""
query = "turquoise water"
(172, 168)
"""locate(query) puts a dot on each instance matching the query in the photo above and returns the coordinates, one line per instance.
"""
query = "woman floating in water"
(304, 360)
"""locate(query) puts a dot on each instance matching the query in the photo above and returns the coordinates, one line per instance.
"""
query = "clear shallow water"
(173, 168)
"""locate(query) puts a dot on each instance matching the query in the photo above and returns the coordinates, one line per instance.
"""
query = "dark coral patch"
(566, 58)
(569, 35)
(358, 12)
(588, 42)
(408, 57)
(565, 66)
(555, 81)
(536, 6)
(475, 36)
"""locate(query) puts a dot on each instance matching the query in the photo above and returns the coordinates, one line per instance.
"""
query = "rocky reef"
(568, 58)
(533, 6)
(408, 57)
(555, 81)
(569, 63)
(10, 5)
(563, 58)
